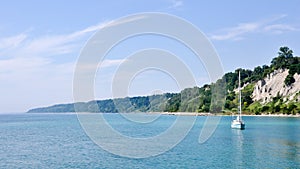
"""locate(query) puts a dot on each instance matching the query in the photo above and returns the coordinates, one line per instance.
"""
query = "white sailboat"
(238, 123)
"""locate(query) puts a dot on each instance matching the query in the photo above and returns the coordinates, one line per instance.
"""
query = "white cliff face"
(273, 84)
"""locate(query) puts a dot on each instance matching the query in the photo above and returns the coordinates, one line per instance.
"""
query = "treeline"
(189, 100)
(284, 60)
(216, 97)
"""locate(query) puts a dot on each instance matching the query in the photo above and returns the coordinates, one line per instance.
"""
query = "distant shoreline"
(176, 114)
(210, 114)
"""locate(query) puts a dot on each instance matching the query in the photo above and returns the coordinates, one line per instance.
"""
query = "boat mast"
(240, 97)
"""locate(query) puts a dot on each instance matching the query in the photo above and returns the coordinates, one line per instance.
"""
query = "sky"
(40, 42)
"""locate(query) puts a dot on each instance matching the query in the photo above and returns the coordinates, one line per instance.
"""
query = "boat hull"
(238, 125)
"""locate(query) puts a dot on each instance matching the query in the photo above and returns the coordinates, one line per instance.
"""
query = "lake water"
(58, 141)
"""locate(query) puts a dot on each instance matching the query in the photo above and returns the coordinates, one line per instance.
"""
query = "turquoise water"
(58, 141)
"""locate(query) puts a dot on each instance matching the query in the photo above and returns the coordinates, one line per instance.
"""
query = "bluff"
(273, 86)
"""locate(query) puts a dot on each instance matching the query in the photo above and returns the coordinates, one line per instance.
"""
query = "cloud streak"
(176, 4)
(279, 28)
(38, 51)
(236, 32)
(59, 44)
(12, 42)
(52, 45)
(263, 26)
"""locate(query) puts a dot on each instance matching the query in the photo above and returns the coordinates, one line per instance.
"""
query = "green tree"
(285, 52)
(292, 108)
(289, 80)
(285, 55)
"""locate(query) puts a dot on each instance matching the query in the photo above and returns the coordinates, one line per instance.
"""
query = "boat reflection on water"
(238, 144)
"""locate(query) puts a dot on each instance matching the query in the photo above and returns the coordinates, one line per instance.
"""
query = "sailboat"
(238, 123)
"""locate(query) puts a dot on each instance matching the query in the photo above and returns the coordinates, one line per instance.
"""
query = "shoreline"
(210, 114)
(174, 113)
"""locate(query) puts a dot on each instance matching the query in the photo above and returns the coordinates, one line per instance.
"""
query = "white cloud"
(59, 44)
(52, 45)
(13, 41)
(238, 32)
(176, 4)
(33, 52)
(22, 56)
(123, 21)
(279, 28)
(109, 63)
(89, 29)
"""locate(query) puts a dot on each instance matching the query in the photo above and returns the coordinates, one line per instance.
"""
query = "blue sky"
(40, 42)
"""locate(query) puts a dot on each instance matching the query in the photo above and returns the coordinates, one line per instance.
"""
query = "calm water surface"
(58, 141)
